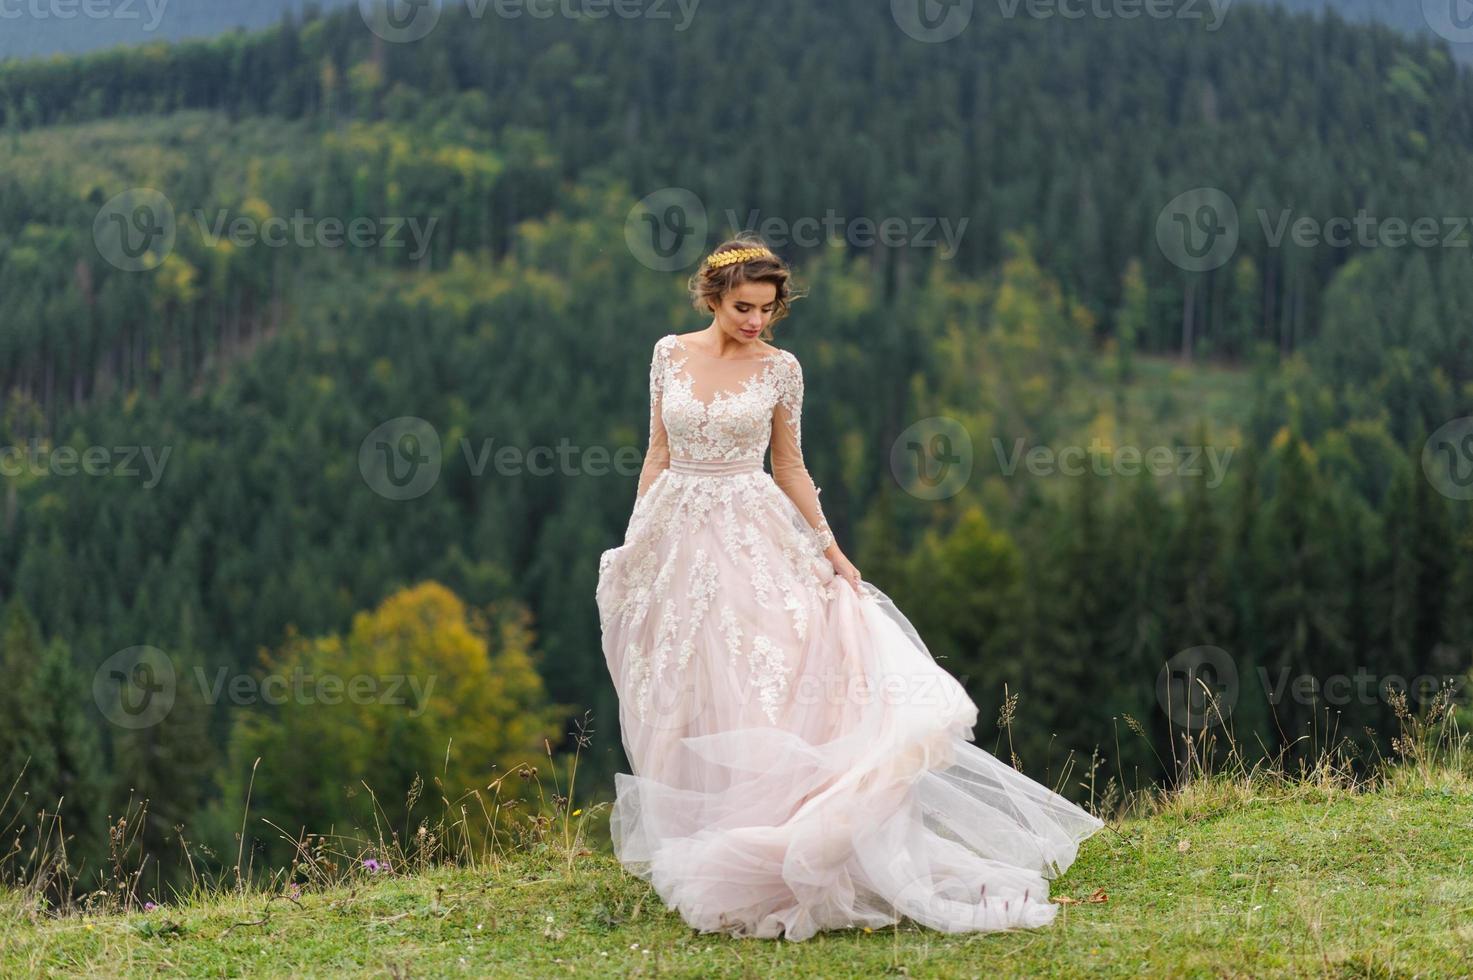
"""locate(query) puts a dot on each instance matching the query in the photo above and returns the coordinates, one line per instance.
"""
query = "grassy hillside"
(1231, 879)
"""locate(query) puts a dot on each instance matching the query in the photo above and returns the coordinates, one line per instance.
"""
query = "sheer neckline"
(777, 352)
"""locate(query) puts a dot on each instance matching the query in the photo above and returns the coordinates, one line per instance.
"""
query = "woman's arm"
(657, 454)
(788, 469)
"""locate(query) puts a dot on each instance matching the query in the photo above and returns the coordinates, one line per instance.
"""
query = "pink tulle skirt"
(801, 761)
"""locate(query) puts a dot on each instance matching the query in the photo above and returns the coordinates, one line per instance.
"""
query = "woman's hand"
(844, 568)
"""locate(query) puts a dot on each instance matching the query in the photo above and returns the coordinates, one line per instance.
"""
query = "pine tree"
(961, 591)
(169, 765)
(1131, 321)
(1303, 576)
(80, 784)
(25, 754)
(49, 747)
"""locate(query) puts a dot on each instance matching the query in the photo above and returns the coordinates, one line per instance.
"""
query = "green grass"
(1228, 879)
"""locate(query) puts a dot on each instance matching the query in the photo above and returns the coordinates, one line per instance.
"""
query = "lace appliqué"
(644, 669)
(761, 574)
(734, 425)
(732, 631)
(769, 673)
(702, 591)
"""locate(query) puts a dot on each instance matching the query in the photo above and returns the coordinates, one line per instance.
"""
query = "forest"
(190, 426)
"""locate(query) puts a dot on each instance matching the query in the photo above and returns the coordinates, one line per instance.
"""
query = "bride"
(801, 762)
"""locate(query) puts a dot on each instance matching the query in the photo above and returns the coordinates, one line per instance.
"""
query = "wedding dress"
(801, 762)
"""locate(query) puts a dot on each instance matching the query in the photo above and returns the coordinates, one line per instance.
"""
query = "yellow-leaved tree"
(421, 691)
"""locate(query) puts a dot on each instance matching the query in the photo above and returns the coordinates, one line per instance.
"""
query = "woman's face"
(746, 310)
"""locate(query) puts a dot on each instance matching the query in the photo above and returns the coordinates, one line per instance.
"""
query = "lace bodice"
(718, 409)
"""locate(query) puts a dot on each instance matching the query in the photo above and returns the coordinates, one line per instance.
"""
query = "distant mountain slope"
(1412, 16)
(38, 30)
(35, 30)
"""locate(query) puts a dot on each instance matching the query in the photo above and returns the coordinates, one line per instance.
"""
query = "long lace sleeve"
(657, 453)
(789, 471)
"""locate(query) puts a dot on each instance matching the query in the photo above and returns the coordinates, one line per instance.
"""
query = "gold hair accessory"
(720, 260)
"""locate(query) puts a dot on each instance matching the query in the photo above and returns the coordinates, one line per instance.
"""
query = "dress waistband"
(715, 467)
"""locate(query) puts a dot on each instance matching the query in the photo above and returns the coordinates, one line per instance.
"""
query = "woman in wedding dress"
(801, 762)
